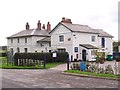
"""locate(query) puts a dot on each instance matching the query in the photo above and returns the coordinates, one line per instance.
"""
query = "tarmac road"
(50, 78)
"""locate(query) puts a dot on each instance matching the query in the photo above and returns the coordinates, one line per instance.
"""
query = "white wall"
(83, 38)
(55, 44)
(108, 45)
(31, 44)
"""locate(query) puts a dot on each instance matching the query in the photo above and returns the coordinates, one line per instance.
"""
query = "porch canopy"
(47, 39)
(88, 46)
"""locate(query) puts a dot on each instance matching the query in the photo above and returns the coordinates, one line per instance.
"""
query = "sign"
(54, 54)
(76, 49)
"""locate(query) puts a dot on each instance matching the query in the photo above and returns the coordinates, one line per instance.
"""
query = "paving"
(50, 78)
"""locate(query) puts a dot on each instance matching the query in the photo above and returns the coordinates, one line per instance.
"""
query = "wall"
(67, 44)
(108, 45)
(83, 38)
(31, 44)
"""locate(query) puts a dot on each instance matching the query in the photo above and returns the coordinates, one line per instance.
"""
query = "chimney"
(66, 20)
(43, 27)
(63, 19)
(27, 26)
(48, 26)
(39, 25)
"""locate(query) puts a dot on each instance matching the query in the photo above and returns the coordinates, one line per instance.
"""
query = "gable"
(60, 29)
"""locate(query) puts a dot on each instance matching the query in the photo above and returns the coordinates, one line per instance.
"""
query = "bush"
(61, 57)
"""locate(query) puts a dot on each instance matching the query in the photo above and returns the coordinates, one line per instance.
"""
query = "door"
(84, 55)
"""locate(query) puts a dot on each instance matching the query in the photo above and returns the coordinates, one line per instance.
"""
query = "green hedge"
(61, 57)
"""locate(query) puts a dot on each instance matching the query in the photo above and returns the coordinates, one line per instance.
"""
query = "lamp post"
(45, 57)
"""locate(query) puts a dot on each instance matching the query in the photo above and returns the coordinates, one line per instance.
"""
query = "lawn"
(92, 74)
(48, 65)
(4, 65)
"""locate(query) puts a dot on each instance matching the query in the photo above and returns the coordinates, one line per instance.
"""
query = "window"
(61, 38)
(41, 45)
(75, 49)
(11, 40)
(62, 50)
(49, 44)
(25, 40)
(93, 38)
(25, 50)
(93, 52)
(18, 49)
(18, 40)
(103, 42)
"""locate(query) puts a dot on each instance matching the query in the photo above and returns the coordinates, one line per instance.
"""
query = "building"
(80, 40)
(31, 40)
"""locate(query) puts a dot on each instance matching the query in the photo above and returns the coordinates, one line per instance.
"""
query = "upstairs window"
(25, 40)
(18, 40)
(61, 38)
(103, 42)
(93, 39)
(11, 40)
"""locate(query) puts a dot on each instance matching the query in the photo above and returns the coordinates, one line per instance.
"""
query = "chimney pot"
(43, 27)
(39, 25)
(48, 26)
(66, 20)
(27, 26)
(63, 19)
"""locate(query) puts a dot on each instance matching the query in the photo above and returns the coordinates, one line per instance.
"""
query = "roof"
(83, 29)
(77, 28)
(104, 34)
(88, 46)
(80, 28)
(30, 32)
(46, 39)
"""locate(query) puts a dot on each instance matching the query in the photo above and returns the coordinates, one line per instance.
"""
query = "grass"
(4, 65)
(48, 65)
(92, 74)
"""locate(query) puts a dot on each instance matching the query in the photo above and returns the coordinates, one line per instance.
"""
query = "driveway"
(50, 78)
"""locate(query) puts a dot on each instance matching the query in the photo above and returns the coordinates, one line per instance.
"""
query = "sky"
(98, 14)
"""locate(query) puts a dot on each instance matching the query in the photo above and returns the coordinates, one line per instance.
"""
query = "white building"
(31, 40)
(80, 40)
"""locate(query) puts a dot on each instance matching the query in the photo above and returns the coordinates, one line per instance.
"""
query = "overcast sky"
(98, 14)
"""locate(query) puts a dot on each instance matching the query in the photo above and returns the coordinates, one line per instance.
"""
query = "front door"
(84, 55)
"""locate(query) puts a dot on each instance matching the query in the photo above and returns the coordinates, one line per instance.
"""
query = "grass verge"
(93, 74)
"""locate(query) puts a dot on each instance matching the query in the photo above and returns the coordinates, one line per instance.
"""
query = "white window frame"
(61, 38)
(93, 38)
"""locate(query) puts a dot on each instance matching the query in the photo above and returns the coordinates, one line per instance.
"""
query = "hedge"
(61, 57)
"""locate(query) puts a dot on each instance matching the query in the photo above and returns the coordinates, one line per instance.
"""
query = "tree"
(116, 46)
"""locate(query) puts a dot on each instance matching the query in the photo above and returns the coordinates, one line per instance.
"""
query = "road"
(50, 78)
